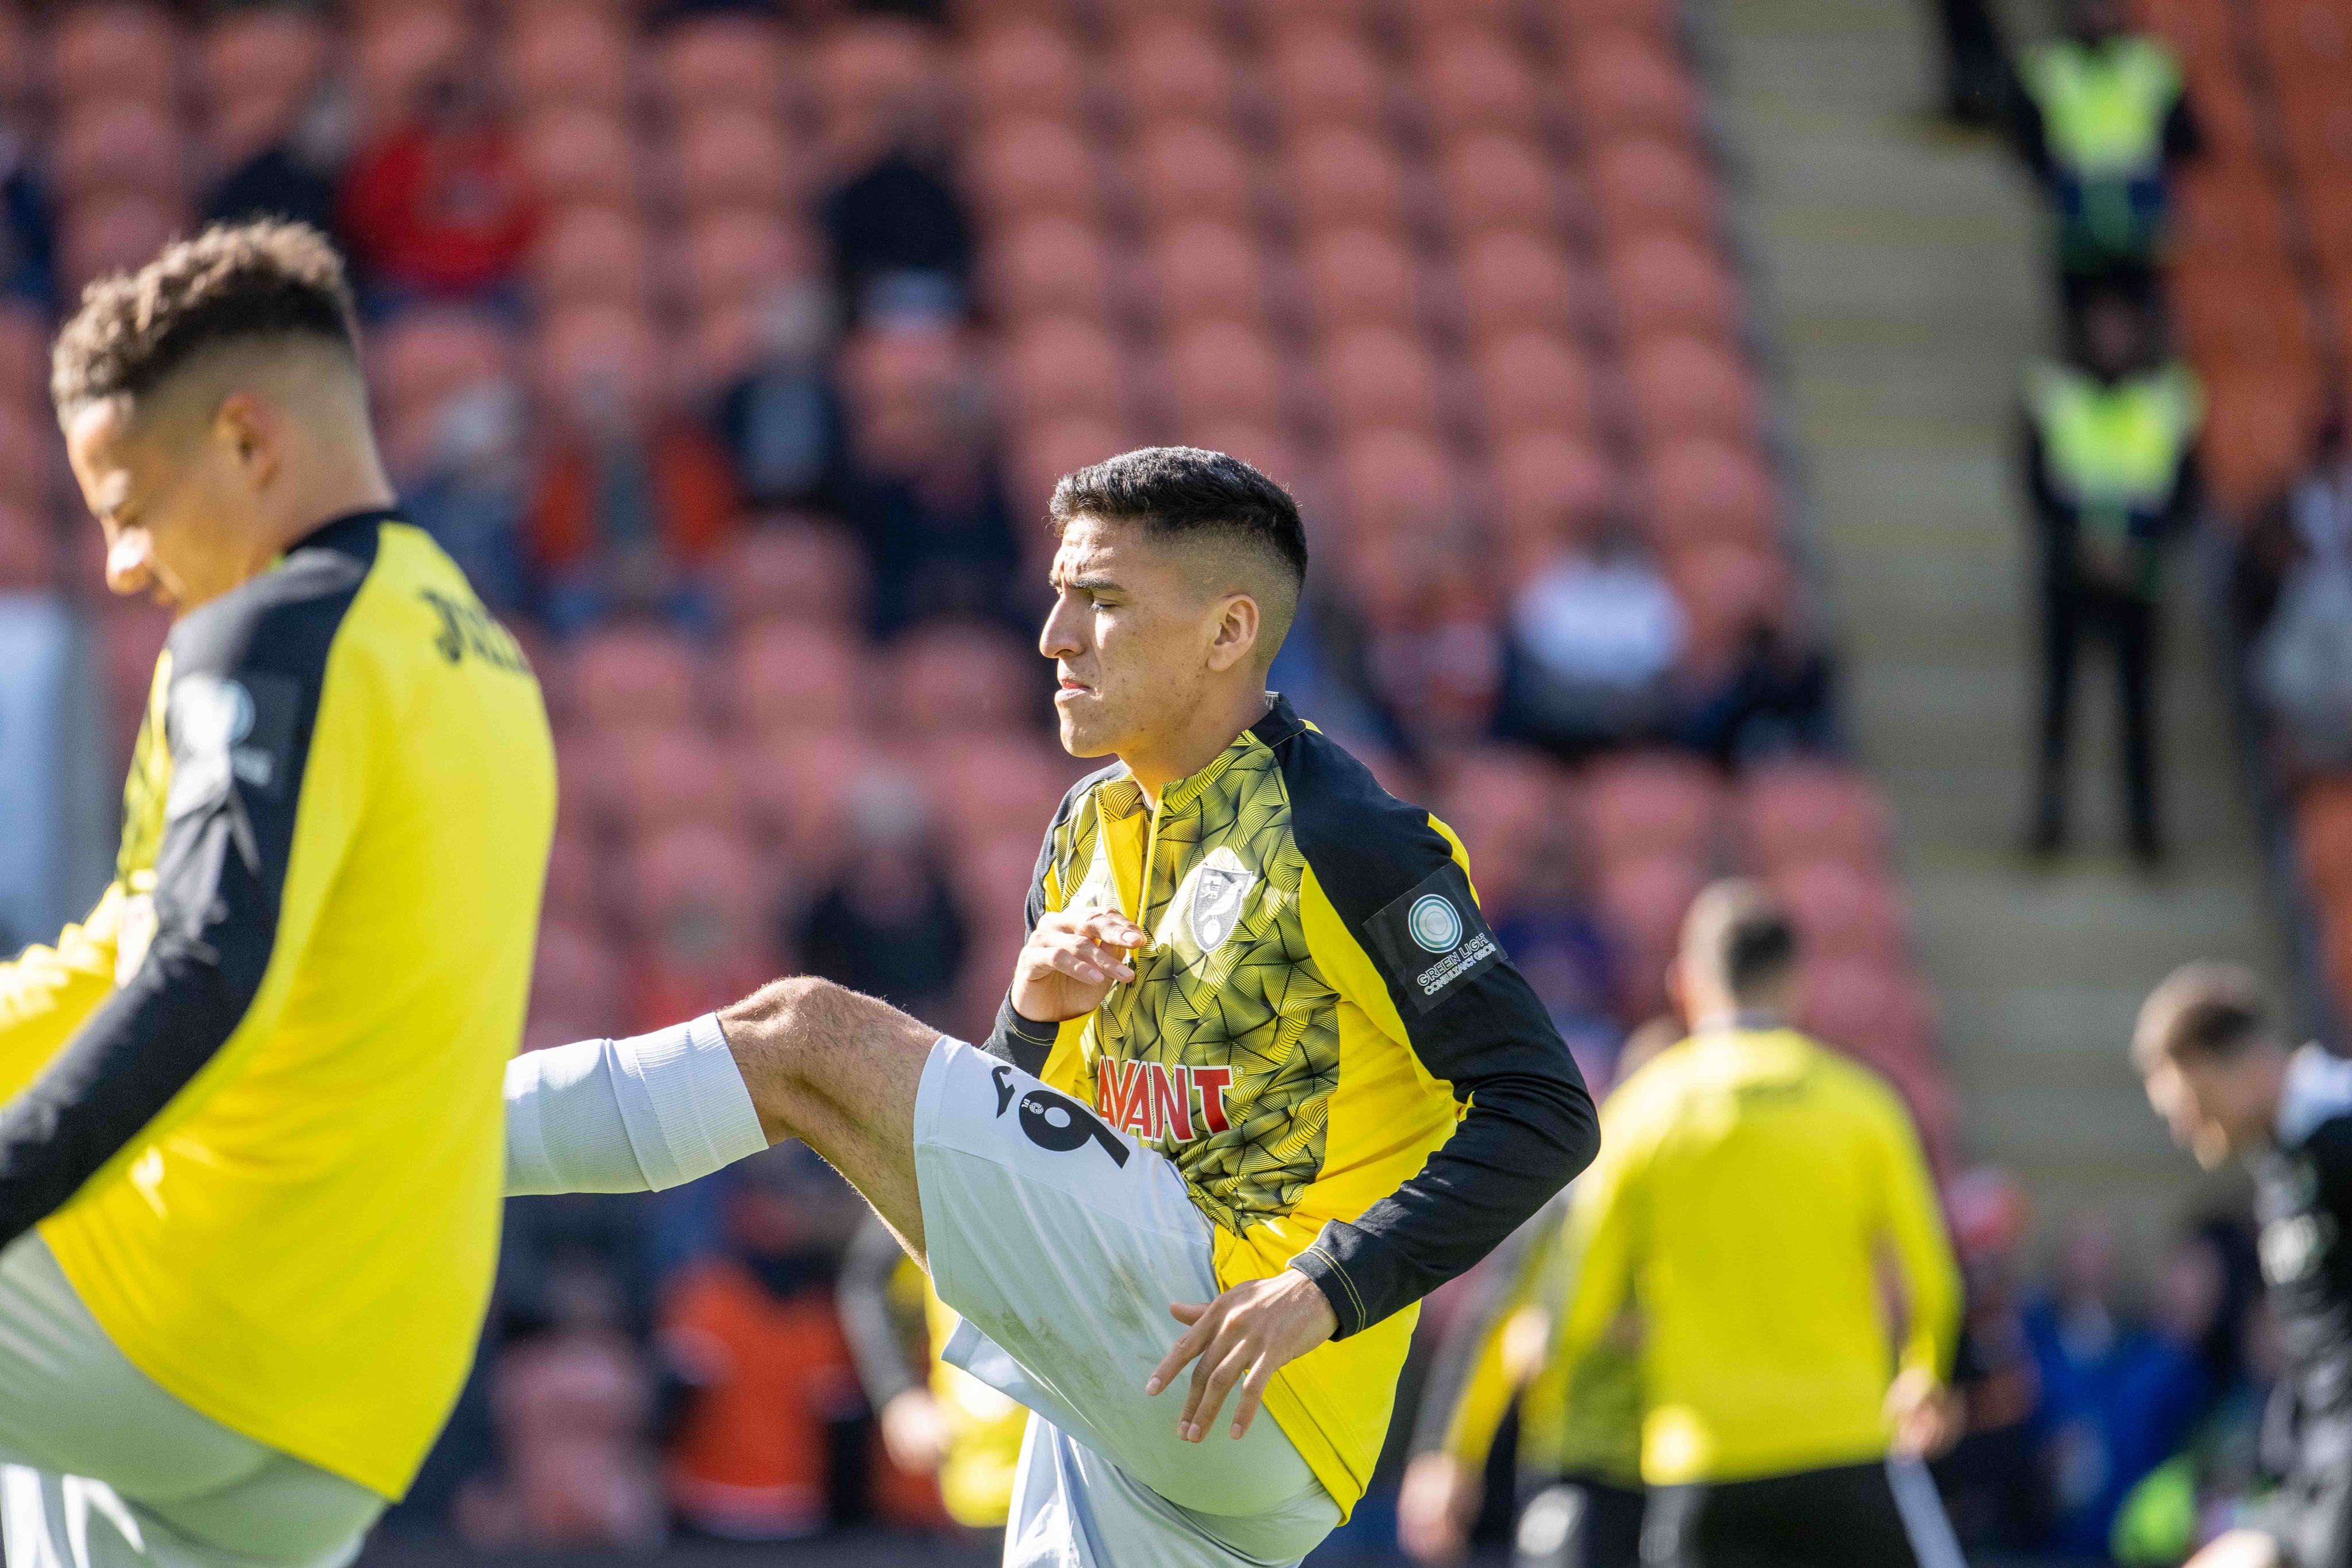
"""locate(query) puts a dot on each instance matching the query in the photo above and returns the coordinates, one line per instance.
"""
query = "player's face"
(2201, 1103)
(161, 498)
(1127, 639)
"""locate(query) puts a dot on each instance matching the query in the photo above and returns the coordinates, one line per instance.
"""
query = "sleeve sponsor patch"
(226, 733)
(1432, 939)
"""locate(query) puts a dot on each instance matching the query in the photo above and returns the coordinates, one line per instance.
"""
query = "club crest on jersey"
(1220, 884)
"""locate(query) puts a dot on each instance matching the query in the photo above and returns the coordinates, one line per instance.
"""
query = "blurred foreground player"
(1262, 1066)
(253, 1099)
(1750, 1186)
(2227, 1083)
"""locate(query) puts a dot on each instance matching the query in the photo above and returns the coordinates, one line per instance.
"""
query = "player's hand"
(1440, 1498)
(914, 1432)
(1071, 962)
(1925, 1414)
(2240, 1548)
(1244, 1336)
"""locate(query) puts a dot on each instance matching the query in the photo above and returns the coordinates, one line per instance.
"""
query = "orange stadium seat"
(27, 456)
(1806, 810)
(1642, 805)
(1061, 365)
(1342, 177)
(1841, 910)
(1048, 448)
(1263, 446)
(740, 255)
(990, 786)
(573, 888)
(792, 572)
(2328, 204)
(1392, 479)
(590, 255)
(1172, 69)
(1580, 19)
(1872, 1011)
(1025, 67)
(2258, 416)
(1512, 280)
(1534, 380)
(260, 64)
(1223, 371)
(25, 334)
(115, 51)
(1550, 491)
(963, 680)
(1643, 183)
(118, 146)
(724, 60)
(693, 869)
(600, 345)
(1628, 83)
(1473, 79)
(1642, 901)
(1200, 272)
(2323, 839)
(1185, 170)
(28, 549)
(1492, 179)
(2198, 31)
(116, 234)
(660, 778)
(2230, 214)
(570, 59)
(1326, 74)
(627, 675)
(1428, 16)
(1704, 490)
(876, 68)
(1050, 266)
(398, 52)
(1684, 385)
(1661, 281)
(576, 977)
(732, 157)
(797, 785)
(2304, 40)
(582, 157)
(1034, 166)
(796, 676)
(1360, 277)
(422, 356)
(1728, 592)
(1504, 802)
(1375, 376)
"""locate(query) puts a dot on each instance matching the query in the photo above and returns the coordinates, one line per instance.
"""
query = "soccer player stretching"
(249, 1124)
(1262, 1064)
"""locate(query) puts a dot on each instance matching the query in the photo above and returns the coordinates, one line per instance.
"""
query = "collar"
(1278, 724)
(2318, 1089)
(341, 533)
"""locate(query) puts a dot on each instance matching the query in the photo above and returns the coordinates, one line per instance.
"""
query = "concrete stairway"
(1902, 287)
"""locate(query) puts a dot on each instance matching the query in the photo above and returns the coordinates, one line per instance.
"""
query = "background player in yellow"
(1262, 1065)
(1751, 1184)
(249, 1153)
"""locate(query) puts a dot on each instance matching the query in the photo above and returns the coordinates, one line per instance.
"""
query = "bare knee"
(808, 1048)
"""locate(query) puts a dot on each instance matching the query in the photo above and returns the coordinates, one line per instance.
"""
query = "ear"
(1679, 990)
(1233, 637)
(250, 431)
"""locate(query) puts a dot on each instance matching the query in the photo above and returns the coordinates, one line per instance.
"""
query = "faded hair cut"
(1175, 491)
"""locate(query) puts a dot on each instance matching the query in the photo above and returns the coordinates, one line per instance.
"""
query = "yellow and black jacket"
(1326, 1039)
(253, 1101)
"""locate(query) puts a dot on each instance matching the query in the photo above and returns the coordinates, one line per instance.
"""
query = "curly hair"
(232, 282)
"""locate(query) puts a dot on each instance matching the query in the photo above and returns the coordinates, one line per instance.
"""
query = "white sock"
(641, 1115)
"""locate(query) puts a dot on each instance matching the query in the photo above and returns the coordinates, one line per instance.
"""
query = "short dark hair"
(1737, 928)
(232, 282)
(2206, 1011)
(1178, 490)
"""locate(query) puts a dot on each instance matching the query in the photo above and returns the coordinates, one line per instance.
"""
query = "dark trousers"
(1850, 1516)
(1580, 1521)
(2070, 612)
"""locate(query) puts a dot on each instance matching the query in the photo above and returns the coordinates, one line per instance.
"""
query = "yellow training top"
(255, 1102)
(1748, 1183)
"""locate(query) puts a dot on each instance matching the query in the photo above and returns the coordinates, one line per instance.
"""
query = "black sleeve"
(246, 678)
(1471, 1017)
(862, 1298)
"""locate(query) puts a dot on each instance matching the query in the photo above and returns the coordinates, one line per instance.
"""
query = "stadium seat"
(961, 680)
(1324, 75)
(424, 356)
(1629, 83)
(1341, 178)
(1872, 1011)
(796, 676)
(1702, 490)
(577, 972)
(581, 157)
(882, 69)
(1471, 79)
(1170, 70)
(1799, 810)
(2323, 841)
(1581, 19)
(28, 549)
(1034, 167)
(1664, 282)
(569, 58)
(1000, 783)
(1504, 802)
(28, 455)
(109, 50)
(115, 233)
(259, 67)
(1025, 67)
(25, 334)
(1185, 170)
(1392, 479)
(1495, 180)
(574, 885)
(1642, 901)
(1263, 447)
(2230, 215)
(590, 255)
(1203, 272)
(2258, 416)
(2250, 314)
(1375, 376)
(1551, 490)
(607, 347)
(1048, 448)
(117, 147)
(1061, 365)
(1728, 592)
(797, 785)
(398, 52)
(792, 572)
(1221, 370)
(1841, 910)
(1049, 266)
(733, 157)
(660, 777)
(1360, 277)
(1644, 182)
(731, 59)
(1535, 381)
(741, 255)
(698, 871)
(1685, 385)
(1646, 805)
(623, 676)
(1512, 280)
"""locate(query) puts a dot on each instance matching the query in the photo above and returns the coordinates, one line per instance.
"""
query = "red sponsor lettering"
(1116, 1090)
(1155, 1102)
(1212, 1082)
(1172, 1103)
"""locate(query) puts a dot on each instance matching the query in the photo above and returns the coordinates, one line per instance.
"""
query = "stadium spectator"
(1777, 698)
(2117, 1395)
(1553, 934)
(1594, 638)
(1977, 84)
(2292, 596)
(2103, 123)
(271, 129)
(888, 925)
(2199, 1492)
(780, 420)
(28, 232)
(472, 488)
(440, 206)
(902, 243)
(2111, 475)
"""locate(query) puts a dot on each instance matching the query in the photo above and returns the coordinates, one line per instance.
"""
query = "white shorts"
(100, 1466)
(1063, 1243)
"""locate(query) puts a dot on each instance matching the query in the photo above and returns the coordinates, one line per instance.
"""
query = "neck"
(1732, 1016)
(1213, 727)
